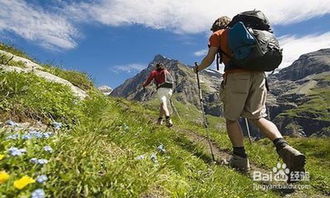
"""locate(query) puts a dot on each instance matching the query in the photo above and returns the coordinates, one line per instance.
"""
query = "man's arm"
(148, 81)
(208, 59)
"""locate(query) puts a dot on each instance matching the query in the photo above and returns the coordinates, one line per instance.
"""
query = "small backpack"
(169, 81)
(253, 44)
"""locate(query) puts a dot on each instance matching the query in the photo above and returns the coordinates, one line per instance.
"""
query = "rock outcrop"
(30, 66)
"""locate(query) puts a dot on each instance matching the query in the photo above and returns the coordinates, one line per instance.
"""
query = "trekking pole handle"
(196, 65)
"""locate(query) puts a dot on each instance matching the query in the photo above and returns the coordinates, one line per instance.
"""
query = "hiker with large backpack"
(248, 48)
(164, 84)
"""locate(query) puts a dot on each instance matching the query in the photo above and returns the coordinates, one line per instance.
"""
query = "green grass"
(7, 59)
(97, 158)
(27, 96)
(316, 107)
(81, 80)
(263, 153)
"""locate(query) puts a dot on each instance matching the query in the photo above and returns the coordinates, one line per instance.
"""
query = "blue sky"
(112, 40)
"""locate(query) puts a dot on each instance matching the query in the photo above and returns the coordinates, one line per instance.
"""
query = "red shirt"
(157, 75)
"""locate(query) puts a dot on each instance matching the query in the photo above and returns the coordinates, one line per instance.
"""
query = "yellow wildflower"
(3, 177)
(25, 180)
(2, 156)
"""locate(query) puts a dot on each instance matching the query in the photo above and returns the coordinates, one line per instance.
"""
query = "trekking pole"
(248, 130)
(176, 112)
(203, 113)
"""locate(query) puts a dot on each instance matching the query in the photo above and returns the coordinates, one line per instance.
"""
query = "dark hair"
(220, 23)
(160, 66)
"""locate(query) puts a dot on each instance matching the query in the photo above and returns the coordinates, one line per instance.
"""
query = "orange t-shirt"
(220, 39)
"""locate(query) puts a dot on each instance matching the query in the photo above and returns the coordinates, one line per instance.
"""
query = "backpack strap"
(266, 83)
(219, 60)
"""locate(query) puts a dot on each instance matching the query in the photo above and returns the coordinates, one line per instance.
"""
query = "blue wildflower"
(11, 123)
(153, 157)
(27, 136)
(42, 179)
(57, 125)
(12, 137)
(36, 134)
(42, 161)
(48, 149)
(38, 193)
(38, 161)
(16, 151)
(34, 160)
(161, 148)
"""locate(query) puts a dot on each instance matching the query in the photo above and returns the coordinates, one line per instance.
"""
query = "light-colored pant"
(244, 95)
(164, 95)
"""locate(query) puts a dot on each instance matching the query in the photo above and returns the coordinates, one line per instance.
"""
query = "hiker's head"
(220, 23)
(160, 66)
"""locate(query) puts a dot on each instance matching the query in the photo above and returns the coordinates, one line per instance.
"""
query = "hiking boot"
(160, 121)
(239, 163)
(169, 122)
(293, 159)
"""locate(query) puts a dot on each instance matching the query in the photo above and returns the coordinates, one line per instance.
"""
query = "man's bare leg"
(161, 113)
(169, 122)
(161, 110)
(235, 133)
(166, 111)
(267, 128)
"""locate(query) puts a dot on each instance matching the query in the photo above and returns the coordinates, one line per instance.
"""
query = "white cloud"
(294, 46)
(191, 16)
(128, 68)
(50, 30)
(54, 26)
(202, 52)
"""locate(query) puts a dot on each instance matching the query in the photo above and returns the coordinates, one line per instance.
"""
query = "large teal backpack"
(253, 44)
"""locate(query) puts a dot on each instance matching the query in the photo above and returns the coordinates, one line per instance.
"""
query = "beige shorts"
(164, 95)
(244, 95)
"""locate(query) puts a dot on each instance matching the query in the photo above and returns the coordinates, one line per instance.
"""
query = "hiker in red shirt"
(243, 93)
(164, 84)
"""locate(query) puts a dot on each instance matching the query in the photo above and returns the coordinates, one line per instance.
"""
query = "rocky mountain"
(307, 64)
(300, 95)
(298, 102)
(106, 90)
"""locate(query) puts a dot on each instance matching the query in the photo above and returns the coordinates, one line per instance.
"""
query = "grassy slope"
(96, 155)
(319, 102)
(263, 152)
(317, 150)
(98, 158)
